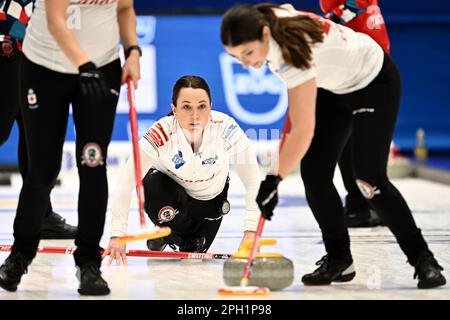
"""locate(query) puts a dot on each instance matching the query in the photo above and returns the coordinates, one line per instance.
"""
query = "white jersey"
(94, 23)
(203, 174)
(344, 62)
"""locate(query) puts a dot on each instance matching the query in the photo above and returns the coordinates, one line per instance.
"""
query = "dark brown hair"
(294, 35)
(194, 82)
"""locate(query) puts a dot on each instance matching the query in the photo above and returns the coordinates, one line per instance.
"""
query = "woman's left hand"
(116, 251)
(132, 69)
(267, 198)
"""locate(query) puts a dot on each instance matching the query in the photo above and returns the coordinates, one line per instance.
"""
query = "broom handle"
(286, 129)
(251, 257)
(136, 154)
(135, 253)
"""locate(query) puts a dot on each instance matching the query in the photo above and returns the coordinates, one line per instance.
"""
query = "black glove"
(92, 82)
(267, 197)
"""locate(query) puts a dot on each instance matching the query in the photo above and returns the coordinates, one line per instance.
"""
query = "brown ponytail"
(295, 35)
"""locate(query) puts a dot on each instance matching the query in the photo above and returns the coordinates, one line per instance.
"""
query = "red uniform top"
(361, 16)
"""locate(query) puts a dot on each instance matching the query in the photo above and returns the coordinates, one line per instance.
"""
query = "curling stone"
(269, 270)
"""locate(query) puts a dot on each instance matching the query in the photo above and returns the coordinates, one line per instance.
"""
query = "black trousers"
(167, 204)
(370, 115)
(45, 99)
(354, 200)
(10, 111)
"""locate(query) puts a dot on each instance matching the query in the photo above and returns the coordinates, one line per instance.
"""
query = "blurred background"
(181, 37)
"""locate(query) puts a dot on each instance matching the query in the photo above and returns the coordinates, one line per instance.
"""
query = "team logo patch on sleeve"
(167, 214)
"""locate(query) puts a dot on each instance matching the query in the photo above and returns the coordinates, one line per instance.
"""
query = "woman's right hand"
(116, 251)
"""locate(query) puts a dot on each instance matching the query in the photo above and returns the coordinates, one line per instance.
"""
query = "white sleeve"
(120, 204)
(246, 165)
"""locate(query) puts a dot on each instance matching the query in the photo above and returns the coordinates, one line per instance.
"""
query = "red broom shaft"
(254, 247)
(135, 253)
(286, 128)
(136, 154)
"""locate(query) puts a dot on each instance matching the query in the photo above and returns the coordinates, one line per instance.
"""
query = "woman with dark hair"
(186, 158)
(360, 87)
(65, 64)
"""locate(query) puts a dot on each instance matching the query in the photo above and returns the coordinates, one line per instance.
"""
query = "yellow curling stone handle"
(246, 247)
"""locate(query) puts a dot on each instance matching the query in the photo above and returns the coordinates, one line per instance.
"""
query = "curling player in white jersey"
(71, 56)
(186, 159)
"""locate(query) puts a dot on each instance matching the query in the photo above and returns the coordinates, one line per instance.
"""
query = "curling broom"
(145, 234)
(244, 288)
